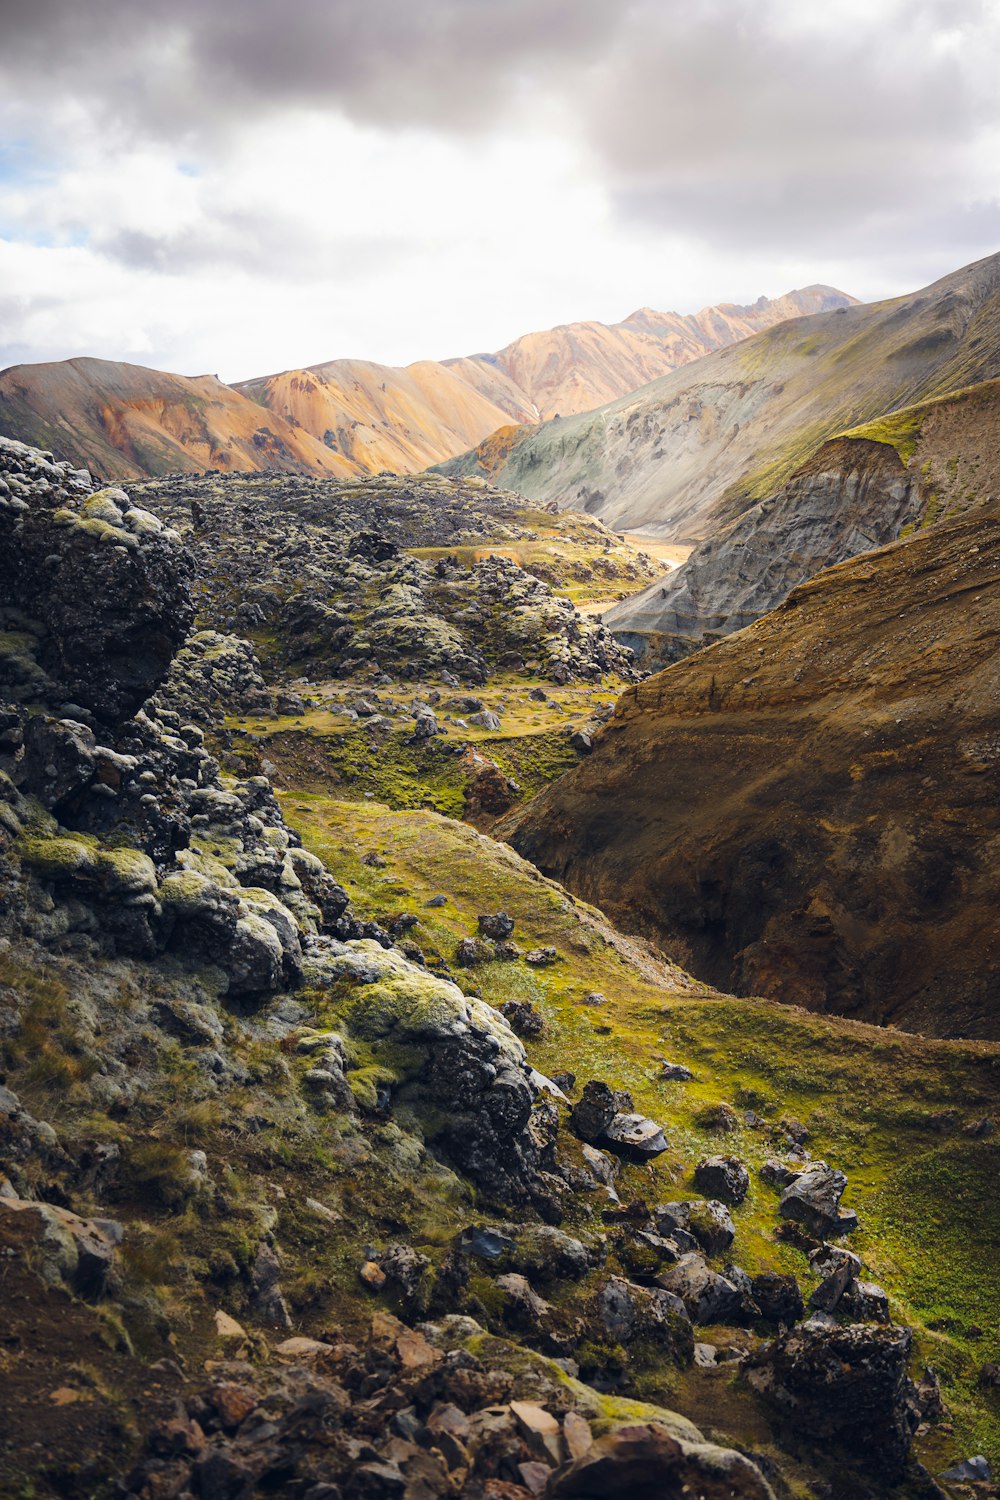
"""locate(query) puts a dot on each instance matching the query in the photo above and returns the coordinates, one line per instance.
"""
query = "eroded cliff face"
(909, 468)
(852, 495)
(807, 809)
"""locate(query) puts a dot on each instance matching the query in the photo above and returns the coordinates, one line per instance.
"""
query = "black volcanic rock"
(97, 588)
(842, 1385)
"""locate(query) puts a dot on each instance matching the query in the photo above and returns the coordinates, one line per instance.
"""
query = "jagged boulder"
(646, 1462)
(723, 1177)
(605, 1117)
(843, 1385)
(706, 1221)
(777, 1296)
(813, 1199)
(632, 1315)
(98, 589)
(63, 1246)
(448, 1063)
(707, 1296)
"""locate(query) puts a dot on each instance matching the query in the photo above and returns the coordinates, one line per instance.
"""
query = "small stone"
(227, 1328)
(813, 1199)
(372, 1275)
(414, 1350)
(676, 1072)
(523, 1308)
(300, 1348)
(634, 1135)
(535, 1476)
(486, 1244)
(975, 1469)
(234, 1402)
(721, 1118)
(540, 958)
(778, 1297)
(865, 1302)
(838, 1268)
(540, 1428)
(472, 951)
(496, 925)
(597, 1108)
(577, 1434)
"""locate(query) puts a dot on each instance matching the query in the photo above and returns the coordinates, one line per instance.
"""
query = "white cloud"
(230, 188)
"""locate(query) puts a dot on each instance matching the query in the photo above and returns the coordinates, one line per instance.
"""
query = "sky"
(239, 187)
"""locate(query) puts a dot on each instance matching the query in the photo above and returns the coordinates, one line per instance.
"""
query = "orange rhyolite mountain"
(351, 416)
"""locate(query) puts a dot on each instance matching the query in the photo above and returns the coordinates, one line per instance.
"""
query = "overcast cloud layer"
(240, 186)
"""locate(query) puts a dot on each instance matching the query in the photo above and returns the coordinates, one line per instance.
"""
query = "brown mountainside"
(352, 416)
(376, 417)
(128, 421)
(807, 809)
(574, 368)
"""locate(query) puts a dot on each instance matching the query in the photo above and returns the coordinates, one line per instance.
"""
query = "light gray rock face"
(851, 496)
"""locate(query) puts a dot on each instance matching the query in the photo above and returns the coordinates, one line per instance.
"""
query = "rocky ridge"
(352, 416)
(319, 572)
(164, 932)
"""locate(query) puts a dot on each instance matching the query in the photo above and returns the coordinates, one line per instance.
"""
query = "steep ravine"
(807, 809)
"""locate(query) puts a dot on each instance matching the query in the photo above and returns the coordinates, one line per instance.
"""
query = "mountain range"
(352, 416)
(689, 453)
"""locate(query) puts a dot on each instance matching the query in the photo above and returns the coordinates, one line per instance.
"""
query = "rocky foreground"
(284, 1207)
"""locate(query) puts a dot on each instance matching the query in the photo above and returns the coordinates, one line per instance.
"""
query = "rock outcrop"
(805, 809)
(121, 839)
(321, 571)
(846, 1387)
(94, 596)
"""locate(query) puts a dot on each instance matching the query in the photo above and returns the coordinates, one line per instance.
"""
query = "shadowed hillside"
(807, 809)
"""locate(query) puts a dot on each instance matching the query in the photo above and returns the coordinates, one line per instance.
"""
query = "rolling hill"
(127, 421)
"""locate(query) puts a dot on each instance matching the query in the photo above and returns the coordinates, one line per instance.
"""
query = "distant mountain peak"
(346, 416)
